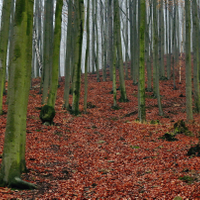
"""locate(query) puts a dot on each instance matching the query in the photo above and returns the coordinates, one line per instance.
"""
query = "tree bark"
(4, 33)
(56, 54)
(79, 5)
(188, 63)
(141, 85)
(13, 163)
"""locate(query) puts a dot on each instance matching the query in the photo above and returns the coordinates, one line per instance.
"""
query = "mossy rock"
(187, 179)
(90, 105)
(194, 151)
(163, 78)
(47, 114)
(177, 198)
(116, 107)
(168, 137)
(155, 122)
(180, 128)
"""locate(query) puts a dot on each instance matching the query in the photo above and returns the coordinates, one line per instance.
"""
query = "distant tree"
(13, 162)
(110, 38)
(68, 58)
(86, 57)
(4, 33)
(141, 85)
(155, 57)
(118, 45)
(161, 41)
(188, 63)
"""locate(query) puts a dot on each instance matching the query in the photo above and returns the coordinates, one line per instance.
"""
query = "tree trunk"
(141, 85)
(56, 54)
(188, 63)
(13, 163)
(196, 55)
(4, 33)
(155, 58)
(47, 48)
(86, 57)
(68, 58)
(118, 45)
(79, 5)
(110, 38)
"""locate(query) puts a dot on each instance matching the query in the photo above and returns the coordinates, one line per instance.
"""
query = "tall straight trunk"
(68, 58)
(135, 43)
(114, 78)
(103, 38)
(131, 36)
(79, 23)
(126, 42)
(13, 163)
(168, 36)
(155, 57)
(141, 85)
(196, 55)
(110, 38)
(174, 45)
(161, 40)
(10, 44)
(4, 33)
(93, 39)
(56, 54)
(148, 45)
(188, 63)
(86, 57)
(118, 45)
(47, 48)
(97, 42)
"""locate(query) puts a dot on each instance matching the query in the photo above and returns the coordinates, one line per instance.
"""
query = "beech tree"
(141, 85)
(47, 48)
(188, 63)
(4, 33)
(79, 23)
(118, 45)
(56, 54)
(68, 58)
(13, 161)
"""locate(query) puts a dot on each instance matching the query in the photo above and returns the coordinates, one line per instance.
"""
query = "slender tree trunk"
(188, 63)
(141, 85)
(167, 21)
(131, 36)
(47, 48)
(155, 58)
(56, 54)
(4, 33)
(135, 43)
(196, 55)
(161, 41)
(110, 38)
(148, 50)
(104, 37)
(118, 44)
(79, 5)
(68, 57)
(86, 57)
(97, 42)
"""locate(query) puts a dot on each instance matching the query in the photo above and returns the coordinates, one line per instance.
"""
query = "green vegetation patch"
(187, 179)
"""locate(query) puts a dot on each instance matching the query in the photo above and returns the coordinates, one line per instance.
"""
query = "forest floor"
(106, 153)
